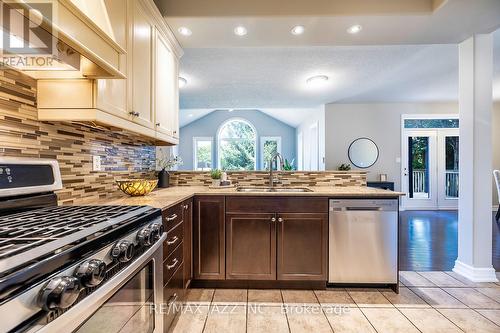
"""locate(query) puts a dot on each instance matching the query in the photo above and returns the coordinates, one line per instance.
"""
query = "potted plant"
(166, 164)
(216, 175)
(288, 166)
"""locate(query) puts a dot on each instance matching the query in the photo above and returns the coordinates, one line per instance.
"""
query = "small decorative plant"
(167, 163)
(288, 166)
(216, 175)
(344, 167)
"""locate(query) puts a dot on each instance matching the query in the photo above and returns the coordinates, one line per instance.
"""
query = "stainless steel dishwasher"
(363, 241)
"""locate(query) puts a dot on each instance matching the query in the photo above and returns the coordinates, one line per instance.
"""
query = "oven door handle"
(77, 315)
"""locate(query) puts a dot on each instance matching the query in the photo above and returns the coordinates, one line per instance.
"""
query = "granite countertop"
(165, 198)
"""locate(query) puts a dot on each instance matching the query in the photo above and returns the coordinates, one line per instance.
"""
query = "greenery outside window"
(237, 145)
(269, 146)
(202, 153)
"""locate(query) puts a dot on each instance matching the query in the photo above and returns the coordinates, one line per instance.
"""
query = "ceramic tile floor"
(438, 302)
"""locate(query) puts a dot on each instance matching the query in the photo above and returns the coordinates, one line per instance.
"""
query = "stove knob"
(157, 230)
(144, 236)
(123, 251)
(91, 273)
(59, 293)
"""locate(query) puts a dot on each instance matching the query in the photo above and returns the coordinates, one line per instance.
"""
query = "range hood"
(55, 39)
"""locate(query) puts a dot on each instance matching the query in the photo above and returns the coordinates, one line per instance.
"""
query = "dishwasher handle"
(363, 205)
(357, 209)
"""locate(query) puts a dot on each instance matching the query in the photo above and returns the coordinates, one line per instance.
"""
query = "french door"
(430, 172)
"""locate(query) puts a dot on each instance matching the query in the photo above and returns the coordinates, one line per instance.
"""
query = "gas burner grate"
(21, 232)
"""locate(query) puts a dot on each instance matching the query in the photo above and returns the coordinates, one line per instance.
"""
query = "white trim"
(263, 139)
(203, 138)
(475, 274)
(217, 138)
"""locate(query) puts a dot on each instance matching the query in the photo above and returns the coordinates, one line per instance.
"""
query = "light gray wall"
(382, 123)
(208, 126)
(496, 146)
(379, 122)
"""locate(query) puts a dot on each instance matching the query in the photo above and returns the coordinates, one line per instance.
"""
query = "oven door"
(129, 302)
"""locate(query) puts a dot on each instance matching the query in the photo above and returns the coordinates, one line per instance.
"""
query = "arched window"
(236, 144)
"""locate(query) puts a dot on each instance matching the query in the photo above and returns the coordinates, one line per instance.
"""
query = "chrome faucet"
(271, 161)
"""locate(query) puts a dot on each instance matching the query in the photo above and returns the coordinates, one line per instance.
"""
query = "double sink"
(273, 189)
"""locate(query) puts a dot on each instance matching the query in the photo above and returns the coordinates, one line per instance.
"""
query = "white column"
(475, 106)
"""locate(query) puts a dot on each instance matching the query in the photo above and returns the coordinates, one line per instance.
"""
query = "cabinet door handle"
(174, 263)
(280, 219)
(171, 217)
(135, 114)
(158, 124)
(173, 241)
(185, 207)
(273, 219)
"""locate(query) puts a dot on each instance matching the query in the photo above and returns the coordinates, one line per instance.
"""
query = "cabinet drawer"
(171, 264)
(174, 238)
(248, 204)
(172, 295)
(172, 216)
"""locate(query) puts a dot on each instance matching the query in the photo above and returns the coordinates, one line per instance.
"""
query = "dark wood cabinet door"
(187, 209)
(250, 246)
(302, 246)
(208, 238)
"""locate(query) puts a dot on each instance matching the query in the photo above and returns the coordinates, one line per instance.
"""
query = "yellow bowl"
(137, 187)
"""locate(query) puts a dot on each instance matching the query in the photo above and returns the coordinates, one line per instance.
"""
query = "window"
(236, 145)
(269, 146)
(202, 150)
(431, 123)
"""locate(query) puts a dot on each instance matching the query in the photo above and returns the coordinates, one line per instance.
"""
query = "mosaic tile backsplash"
(261, 178)
(122, 154)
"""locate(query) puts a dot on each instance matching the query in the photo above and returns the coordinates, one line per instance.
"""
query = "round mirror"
(363, 153)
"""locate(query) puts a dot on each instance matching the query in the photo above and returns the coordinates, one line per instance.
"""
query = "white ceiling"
(451, 23)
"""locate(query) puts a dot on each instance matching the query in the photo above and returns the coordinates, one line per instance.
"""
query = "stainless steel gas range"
(74, 268)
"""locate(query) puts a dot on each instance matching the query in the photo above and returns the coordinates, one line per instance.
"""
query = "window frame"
(196, 139)
(218, 140)
(263, 140)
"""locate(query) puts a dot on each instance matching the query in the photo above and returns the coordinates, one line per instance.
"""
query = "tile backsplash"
(261, 178)
(122, 154)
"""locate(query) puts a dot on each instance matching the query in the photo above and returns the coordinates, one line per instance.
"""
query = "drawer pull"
(173, 241)
(171, 217)
(185, 207)
(273, 219)
(172, 299)
(280, 219)
(174, 263)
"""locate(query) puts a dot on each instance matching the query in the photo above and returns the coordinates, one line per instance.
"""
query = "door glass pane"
(203, 155)
(451, 161)
(418, 158)
(431, 123)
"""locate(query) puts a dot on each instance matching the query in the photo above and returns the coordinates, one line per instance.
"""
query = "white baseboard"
(475, 274)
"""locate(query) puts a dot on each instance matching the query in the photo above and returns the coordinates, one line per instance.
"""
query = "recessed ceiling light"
(317, 80)
(298, 30)
(355, 29)
(230, 110)
(185, 31)
(240, 31)
(190, 115)
(182, 82)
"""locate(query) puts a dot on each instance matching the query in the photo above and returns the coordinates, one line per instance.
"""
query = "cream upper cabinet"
(147, 101)
(111, 94)
(141, 62)
(166, 88)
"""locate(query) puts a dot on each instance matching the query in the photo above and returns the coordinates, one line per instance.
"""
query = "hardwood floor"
(428, 241)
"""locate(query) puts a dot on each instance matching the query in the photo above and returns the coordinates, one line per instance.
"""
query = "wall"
(208, 126)
(496, 146)
(381, 123)
(315, 117)
(22, 135)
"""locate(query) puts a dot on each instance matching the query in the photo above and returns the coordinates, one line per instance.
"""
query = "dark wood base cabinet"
(268, 239)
